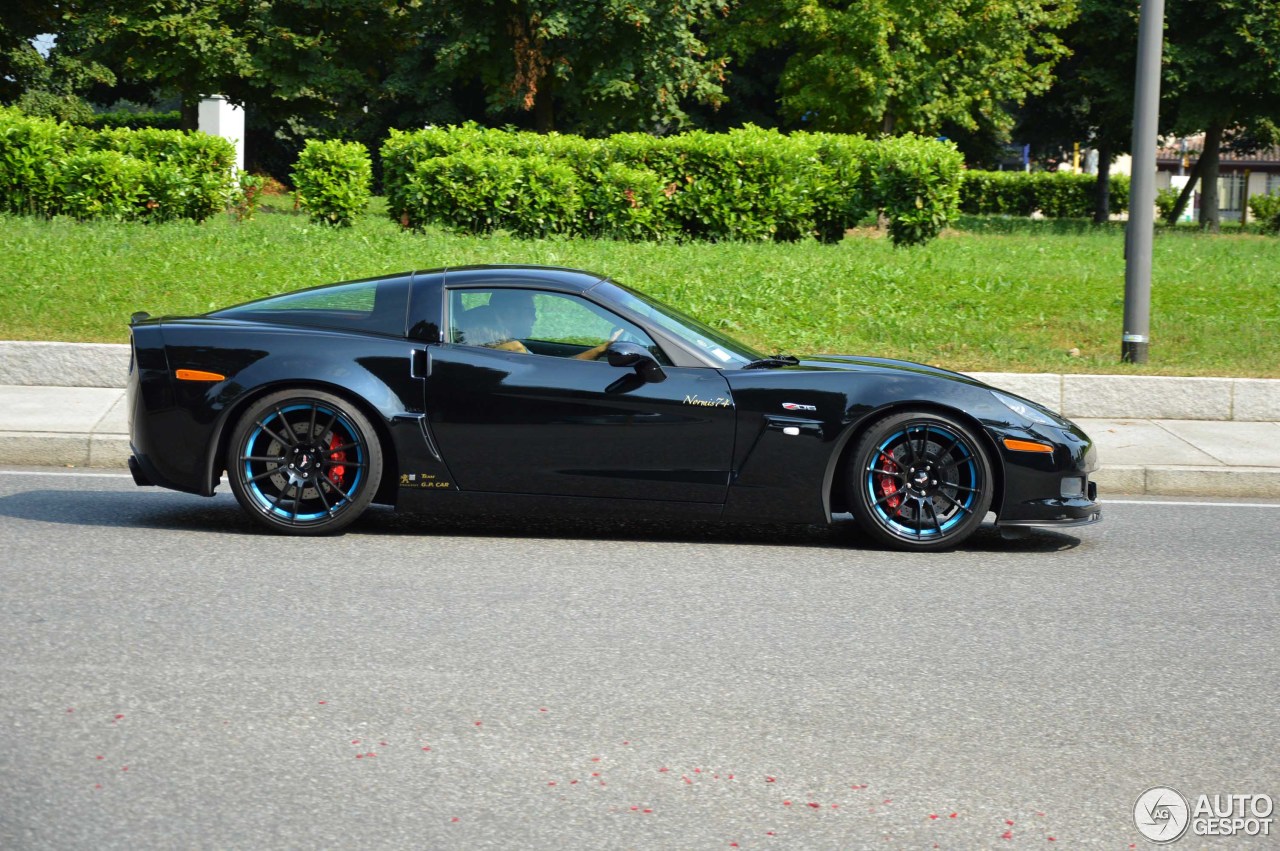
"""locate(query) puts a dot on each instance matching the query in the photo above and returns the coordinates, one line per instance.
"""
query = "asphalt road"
(171, 678)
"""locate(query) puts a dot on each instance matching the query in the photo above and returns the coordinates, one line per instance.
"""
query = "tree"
(1092, 99)
(591, 65)
(1222, 75)
(20, 22)
(195, 47)
(54, 85)
(898, 66)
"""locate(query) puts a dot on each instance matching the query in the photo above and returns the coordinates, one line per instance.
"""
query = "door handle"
(420, 364)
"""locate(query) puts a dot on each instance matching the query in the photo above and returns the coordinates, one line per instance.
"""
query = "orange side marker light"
(198, 375)
(1027, 446)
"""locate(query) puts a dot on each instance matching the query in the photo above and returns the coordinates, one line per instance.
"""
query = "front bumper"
(1051, 490)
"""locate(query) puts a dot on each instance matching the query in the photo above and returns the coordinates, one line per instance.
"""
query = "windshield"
(722, 349)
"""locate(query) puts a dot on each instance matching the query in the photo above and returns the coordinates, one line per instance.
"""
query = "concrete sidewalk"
(88, 426)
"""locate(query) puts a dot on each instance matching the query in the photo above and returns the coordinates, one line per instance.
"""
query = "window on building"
(1231, 192)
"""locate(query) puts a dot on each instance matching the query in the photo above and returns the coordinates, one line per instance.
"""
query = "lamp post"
(1142, 188)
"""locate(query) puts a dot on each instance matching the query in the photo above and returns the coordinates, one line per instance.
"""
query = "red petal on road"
(1008, 834)
(933, 815)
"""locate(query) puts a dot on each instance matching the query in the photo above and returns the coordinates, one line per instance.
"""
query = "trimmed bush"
(100, 185)
(49, 168)
(1166, 201)
(626, 202)
(30, 149)
(1265, 210)
(547, 198)
(137, 120)
(333, 179)
(748, 184)
(1054, 194)
(471, 191)
(191, 172)
(917, 184)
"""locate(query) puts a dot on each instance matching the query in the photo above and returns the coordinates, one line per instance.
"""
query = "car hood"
(859, 363)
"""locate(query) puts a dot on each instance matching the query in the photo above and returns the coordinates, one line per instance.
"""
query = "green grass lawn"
(993, 298)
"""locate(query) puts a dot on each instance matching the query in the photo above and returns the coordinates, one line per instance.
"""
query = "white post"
(220, 117)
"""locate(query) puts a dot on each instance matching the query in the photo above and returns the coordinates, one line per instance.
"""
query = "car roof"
(569, 280)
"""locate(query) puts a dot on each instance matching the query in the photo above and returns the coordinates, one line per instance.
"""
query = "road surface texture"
(174, 678)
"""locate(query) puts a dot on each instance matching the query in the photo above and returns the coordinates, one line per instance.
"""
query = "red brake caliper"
(337, 472)
(888, 486)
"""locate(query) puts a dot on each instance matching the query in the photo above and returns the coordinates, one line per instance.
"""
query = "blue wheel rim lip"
(264, 502)
(969, 465)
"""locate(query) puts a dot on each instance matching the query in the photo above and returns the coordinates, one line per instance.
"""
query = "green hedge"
(137, 120)
(1265, 211)
(747, 184)
(51, 168)
(1019, 193)
(332, 179)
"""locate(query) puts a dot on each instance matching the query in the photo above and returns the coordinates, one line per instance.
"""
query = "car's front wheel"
(919, 481)
(304, 462)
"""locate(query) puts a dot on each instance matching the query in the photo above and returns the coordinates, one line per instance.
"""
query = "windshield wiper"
(773, 361)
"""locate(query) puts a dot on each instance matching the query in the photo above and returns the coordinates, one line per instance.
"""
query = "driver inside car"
(508, 318)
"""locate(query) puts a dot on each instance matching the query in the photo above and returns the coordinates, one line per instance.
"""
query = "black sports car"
(521, 389)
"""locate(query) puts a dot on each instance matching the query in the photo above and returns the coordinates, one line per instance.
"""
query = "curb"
(1075, 396)
(42, 449)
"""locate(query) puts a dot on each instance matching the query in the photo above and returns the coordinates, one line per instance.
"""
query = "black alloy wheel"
(920, 481)
(304, 462)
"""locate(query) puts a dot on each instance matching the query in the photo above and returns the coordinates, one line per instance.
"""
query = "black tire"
(304, 462)
(919, 481)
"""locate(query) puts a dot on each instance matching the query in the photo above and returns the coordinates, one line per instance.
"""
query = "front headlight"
(1026, 410)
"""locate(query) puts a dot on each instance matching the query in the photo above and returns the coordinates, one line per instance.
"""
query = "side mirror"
(637, 357)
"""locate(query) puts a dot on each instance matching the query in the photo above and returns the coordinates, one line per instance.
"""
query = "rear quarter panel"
(183, 426)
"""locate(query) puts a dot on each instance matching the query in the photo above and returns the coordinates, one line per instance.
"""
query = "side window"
(539, 322)
(376, 305)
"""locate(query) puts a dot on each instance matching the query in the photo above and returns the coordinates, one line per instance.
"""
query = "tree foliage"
(1092, 100)
(1222, 73)
(600, 65)
(905, 65)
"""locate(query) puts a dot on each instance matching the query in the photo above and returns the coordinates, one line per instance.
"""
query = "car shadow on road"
(221, 515)
(144, 510)
(840, 535)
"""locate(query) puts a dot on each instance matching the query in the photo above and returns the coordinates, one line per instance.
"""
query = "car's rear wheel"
(919, 481)
(304, 462)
